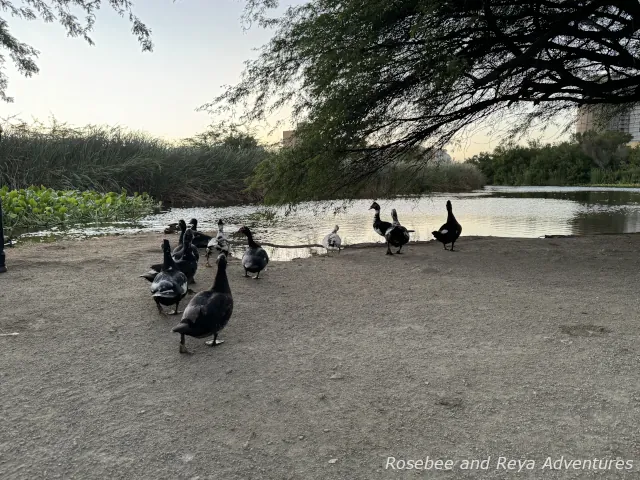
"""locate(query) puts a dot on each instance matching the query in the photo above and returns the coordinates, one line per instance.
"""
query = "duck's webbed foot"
(245, 273)
(175, 312)
(257, 277)
(214, 342)
(389, 252)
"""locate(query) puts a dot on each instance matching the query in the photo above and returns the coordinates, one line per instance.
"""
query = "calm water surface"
(493, 211)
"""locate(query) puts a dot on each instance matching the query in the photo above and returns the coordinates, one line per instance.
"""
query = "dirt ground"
(516, 348)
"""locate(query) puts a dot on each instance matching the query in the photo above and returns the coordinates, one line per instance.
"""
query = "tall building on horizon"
(628, 122)
(288, 138)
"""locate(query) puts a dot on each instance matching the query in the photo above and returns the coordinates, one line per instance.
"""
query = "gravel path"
(330, 366)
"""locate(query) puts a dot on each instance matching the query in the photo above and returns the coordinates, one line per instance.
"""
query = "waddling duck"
(219, 243)
(397, 235)
(169, 286)
(333, 240)
(379, 226)
(450, 231)
(200, 240)
(179, 250)
(209, 311)
(187, 264)
(255, 258)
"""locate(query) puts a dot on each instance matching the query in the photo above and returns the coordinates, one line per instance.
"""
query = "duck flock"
(209, 311)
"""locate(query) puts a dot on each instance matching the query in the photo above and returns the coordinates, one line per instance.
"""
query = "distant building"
(628, 122)
(288, 138)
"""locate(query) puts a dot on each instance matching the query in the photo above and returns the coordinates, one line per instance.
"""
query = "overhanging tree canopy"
(66, 13)
(372, 78)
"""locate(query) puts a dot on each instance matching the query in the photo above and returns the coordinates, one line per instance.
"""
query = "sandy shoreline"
(494, 350)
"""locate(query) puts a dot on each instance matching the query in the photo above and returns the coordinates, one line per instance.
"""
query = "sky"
(199, 46)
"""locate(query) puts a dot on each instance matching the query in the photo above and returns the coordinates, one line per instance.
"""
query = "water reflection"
(493, 211)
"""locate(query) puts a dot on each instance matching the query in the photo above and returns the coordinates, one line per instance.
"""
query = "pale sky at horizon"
(199, 46)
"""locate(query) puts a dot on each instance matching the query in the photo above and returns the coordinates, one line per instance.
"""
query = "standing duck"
(219, 243)
(255, 258)
(209, 311)
(187, 263)
(169, 286)
(179, 250)
(200, 240)
(450, 231)
(333, 240)
(397, 235)
(379, 226)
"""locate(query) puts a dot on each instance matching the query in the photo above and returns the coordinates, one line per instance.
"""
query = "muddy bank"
(330, 365)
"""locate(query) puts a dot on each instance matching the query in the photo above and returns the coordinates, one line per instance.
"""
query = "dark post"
(3, 267)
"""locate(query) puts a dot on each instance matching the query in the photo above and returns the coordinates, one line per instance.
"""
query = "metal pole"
(3, 267)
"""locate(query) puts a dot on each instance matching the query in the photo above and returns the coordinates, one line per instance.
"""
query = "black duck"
(179, 250)
(255, 258)
(169, 286)
(397, 235)
(200, 240)
(209, 311)
(187, 264)
(450, 231)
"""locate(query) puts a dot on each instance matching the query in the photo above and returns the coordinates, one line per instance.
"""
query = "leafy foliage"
(371, 79)
(106, 159)
(44, 207)
(225, 134)
(65, 12)
(283, 179)
(607, 149)
(596, 158)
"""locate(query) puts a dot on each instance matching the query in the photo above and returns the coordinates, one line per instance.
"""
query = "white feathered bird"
(332, 241)
(219, 243)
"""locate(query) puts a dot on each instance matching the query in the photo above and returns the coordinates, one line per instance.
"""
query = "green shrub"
(590, 158)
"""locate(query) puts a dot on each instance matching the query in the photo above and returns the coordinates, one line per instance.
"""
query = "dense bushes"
(589, 158)
(283, 178)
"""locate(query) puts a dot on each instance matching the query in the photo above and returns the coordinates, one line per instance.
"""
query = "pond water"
(492, 211)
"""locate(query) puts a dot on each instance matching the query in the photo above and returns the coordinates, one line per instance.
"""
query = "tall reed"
(112, 158)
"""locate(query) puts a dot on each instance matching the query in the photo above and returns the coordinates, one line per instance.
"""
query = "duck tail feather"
(181, 328)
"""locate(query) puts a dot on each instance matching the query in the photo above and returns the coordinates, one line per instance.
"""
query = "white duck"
(220, 243)
(333, 240)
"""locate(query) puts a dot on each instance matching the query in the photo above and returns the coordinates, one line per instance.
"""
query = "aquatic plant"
(38, 207)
